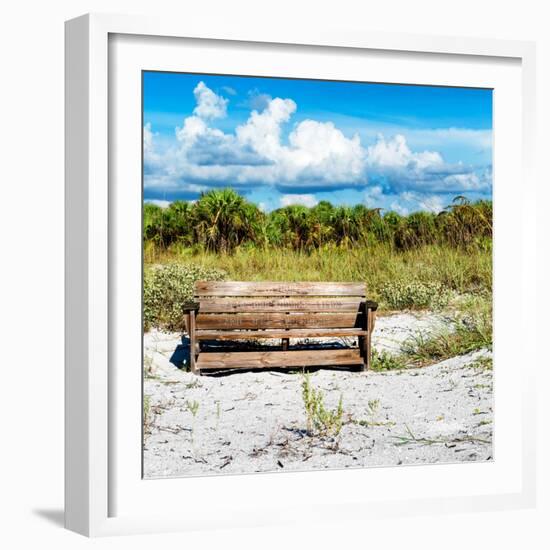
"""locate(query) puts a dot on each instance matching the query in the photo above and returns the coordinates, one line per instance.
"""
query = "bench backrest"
(271, 305)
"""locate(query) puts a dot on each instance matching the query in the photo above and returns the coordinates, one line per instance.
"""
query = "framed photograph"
(296, 268)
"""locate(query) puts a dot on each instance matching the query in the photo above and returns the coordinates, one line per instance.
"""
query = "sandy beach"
(255, 421)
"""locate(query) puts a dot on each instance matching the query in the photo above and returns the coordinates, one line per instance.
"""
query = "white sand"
(255, 421)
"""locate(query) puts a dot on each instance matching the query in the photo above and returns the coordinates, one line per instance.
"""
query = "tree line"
(222, 220)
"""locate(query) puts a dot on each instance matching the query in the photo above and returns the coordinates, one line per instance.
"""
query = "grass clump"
(373, 406)
(409, 438)
(384, 361)
(166, 288)
(482, 363)
(320, 421)
(414, 295)
(468, 332)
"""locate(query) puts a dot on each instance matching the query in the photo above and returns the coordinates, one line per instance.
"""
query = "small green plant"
(482, 363)
(146, 415)
(373, 405)
(320, 421)
(148, 366)
(193, 408)
(193, 385)
(414, 295)
(384, 361)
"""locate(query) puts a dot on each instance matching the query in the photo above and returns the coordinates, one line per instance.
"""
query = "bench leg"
(365, 342)
(364, 345)
(192, 342)
(285, 344)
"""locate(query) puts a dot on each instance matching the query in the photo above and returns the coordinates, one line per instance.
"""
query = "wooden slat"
(277, 320)
(268, 359)
(245, 288)
(268, 305)
(292, 333)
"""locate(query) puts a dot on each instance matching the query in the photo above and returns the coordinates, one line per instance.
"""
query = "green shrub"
(414, 295)
(320, 421)
(167, 288)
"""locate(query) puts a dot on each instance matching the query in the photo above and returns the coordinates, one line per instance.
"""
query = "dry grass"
(452, 268)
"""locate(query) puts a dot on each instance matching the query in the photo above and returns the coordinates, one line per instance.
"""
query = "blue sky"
(291, 141)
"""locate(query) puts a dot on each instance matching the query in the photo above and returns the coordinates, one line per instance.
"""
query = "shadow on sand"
(180, 357)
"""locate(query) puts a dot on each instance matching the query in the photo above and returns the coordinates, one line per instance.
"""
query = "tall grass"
(377, 265)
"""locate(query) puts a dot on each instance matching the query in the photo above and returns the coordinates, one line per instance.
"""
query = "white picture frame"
(93, 398)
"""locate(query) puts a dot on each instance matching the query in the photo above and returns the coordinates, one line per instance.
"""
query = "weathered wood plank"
(268, 359)
(272, 305)
(292, 333)
(246, 288)
(277, 320)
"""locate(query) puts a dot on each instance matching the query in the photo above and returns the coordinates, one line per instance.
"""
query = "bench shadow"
(282, 370)
(180, 357)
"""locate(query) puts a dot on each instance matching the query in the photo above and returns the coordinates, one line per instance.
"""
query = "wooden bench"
(232, 310)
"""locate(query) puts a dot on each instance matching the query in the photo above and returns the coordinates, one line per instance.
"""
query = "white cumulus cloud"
(323, 149)
(193, 127)
(304, 200)
(316, 153)
(296, 160)
(262, 130)
(466, 182)
(209, 104)
(395, 153)
(158, 202)
(424, 171)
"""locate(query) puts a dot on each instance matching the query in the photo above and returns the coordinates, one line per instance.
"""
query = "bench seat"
(270, 359)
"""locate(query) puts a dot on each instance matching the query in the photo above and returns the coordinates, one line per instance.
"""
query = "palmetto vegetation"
(222, 221)
(419, 261)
